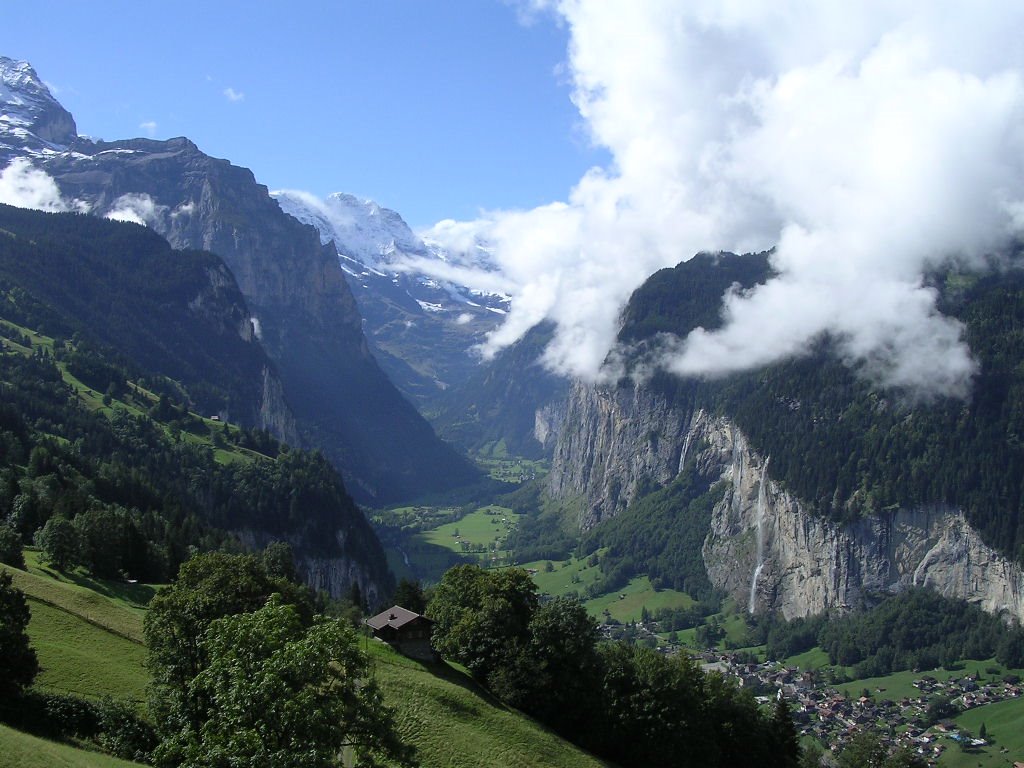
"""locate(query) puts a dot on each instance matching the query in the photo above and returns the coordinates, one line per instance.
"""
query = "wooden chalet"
(405, 631)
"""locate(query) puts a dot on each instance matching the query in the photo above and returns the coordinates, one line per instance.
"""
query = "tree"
(811, 756)
(940, 708)
(10, 547)
(563, 641)
(482, 618)
(58, 541)
(865, 750)
(18, 663)
(409, 594)
(786, 740)
(286, 696)
(209, 587)
(279, 560)
(102, 537)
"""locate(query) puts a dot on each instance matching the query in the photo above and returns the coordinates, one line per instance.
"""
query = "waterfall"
(761, 504)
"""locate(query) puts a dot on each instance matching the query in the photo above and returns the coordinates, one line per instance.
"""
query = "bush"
(123, 733)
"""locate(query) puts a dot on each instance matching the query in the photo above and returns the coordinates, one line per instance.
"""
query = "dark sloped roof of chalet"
(395, 617)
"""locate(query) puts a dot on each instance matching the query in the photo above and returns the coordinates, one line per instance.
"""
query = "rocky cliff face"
(764, 547)
(614, 439)
(334, 575)
(303, 312)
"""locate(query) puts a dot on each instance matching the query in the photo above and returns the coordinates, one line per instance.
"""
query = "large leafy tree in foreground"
(243, 675)
(286, 696)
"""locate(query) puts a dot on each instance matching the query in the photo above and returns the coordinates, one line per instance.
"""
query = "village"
(832, 717)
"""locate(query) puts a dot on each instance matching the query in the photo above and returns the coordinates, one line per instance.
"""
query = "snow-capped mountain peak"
(360, 229)
(31, 119)
(422, 327)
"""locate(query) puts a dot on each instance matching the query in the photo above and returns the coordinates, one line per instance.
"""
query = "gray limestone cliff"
(765, 548)
(334, 574)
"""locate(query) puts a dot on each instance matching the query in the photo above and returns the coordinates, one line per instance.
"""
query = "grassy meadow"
(456, 724)
(1004, 723)
(87, 632)
(20, 750)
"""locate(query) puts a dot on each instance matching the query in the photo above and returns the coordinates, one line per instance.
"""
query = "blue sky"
(434, 109)
(866, 143)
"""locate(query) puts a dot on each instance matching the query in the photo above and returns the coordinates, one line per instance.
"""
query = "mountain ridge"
(304, 313)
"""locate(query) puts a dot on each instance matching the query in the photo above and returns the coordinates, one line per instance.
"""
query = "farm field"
(423, 542)
(80, 658)
(486, 527)
(628, 603)
(624, 605)
(500, 465)
(565, 576)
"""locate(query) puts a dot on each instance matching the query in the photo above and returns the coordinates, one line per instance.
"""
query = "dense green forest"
(661, 534)
(104, 459)
(172, 314)
(143, 494)
(846, 447)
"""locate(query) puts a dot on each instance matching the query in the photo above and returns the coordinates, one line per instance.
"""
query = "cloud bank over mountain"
(25, 186)
(865, 142)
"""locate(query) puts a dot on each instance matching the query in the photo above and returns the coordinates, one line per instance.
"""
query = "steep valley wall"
(765, 548)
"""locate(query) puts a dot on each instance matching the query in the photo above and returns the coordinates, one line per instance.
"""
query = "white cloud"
(136, 208)
(149, 126)
(185, 209)
(232, 95)
(867, 141)
(24, 186)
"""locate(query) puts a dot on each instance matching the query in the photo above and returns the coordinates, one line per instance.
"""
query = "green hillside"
(21, 750)
(82, 629)
(89, 642)
(455, 724)
(122, 288)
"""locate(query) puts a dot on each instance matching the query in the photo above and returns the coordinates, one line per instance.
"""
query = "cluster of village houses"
(833, 717)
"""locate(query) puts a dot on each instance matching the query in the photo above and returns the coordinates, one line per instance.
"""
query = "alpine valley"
(214, 386)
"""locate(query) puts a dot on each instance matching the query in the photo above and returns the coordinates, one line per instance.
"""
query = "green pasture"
(484, 527)
(20, 750)
(899, 685)
(1004, 723)
(81, 658)
(572, 575)
(455, 724)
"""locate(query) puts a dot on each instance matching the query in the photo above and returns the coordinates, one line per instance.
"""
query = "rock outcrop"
(765, 547)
